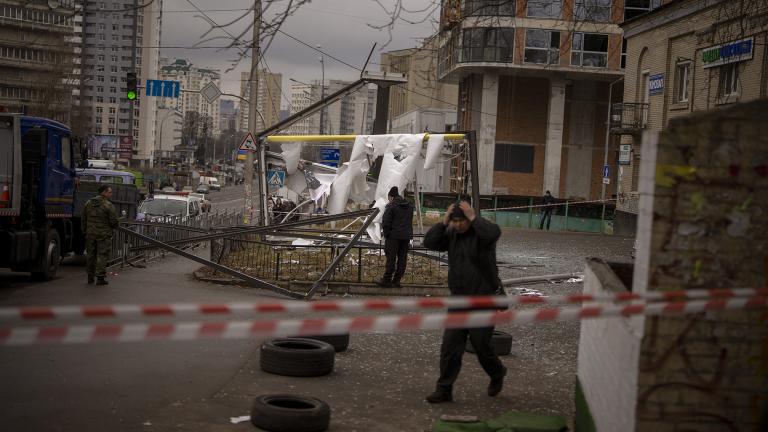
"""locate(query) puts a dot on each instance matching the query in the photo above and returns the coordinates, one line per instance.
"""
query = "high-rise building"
(302, 96)
(351, 115)
(117, 39)
(192, 79)
(268, 99)
(227, 115)
(38, 64)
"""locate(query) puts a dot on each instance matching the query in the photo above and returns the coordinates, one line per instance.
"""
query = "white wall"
(609, 352)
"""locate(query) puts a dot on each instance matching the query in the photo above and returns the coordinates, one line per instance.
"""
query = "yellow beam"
(332, 138)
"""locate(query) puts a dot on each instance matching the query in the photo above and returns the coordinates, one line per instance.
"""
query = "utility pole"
(253, 106)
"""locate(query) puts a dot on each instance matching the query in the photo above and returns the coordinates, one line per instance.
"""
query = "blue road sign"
(330, 154)
(275, 178)
(606, 170)
(163, 88)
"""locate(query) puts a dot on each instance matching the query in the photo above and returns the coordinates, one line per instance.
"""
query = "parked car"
(211, 182)
(203, 189)
(187, 189)
(169, 207)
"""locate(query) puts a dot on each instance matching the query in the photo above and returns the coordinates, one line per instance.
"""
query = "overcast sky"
(340, 27)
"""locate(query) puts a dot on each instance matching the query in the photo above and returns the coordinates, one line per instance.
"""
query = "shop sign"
(656, 84)
(625, 154)
(731, 52)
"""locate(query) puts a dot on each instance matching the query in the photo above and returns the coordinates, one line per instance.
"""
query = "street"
(377, 385)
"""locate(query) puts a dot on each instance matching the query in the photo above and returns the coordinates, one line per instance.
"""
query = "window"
(489, 8)
(682, 77)
(113, 90)
(514, 158)
(112, 99)
(624, 53)
(589, 50)
(100, 99)
(102, 27)
(113, 79)
(487, 45)
(114, 58)
(100, 89)
(111, 131)
(100, 57)
(542, 46)
(635, 8)
(111, 110)
(729, 80)
(100, 78)
(99, 110)
(98, 120)
(545, 8)
(592, 10)
(113, 69)
(66, 152)
(102, 37)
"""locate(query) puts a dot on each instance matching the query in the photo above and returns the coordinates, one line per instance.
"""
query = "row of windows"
(23, 94)
(483, 44)
(35, 15)
(32, 55)
(583, 10)
(728, 83)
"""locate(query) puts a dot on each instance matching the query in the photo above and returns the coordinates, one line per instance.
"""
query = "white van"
(212, 182)
(170, 207)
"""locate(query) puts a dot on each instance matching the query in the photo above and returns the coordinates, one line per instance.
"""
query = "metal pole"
(322, 91)
(253, 106)
(607, 138)
(474, 168)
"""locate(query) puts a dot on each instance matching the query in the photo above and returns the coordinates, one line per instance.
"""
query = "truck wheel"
(51, 257)
(289, 413)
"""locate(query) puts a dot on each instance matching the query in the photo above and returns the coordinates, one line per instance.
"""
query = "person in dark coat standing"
(470, 242)
(397, 224)
(546, 211)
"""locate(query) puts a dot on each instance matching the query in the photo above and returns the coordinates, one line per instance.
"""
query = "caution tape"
(82, 334)
(347, 305)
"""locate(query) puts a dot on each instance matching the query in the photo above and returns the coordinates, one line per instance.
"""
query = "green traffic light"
(131, 95)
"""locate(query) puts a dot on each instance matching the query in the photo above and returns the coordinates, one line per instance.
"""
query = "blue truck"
(37, 194)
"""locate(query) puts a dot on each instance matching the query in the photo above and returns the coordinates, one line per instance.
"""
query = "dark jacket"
(397, 221)
(471, 256)
(548, 201)
(99, 218)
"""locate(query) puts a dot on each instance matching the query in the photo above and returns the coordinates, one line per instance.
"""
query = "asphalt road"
(377, 385)
(230, 198)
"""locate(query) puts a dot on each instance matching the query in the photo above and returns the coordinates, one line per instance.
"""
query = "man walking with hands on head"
(397, 224)
(470, 242)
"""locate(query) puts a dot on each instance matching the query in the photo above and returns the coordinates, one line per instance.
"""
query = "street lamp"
(162, 122)
(322, 88)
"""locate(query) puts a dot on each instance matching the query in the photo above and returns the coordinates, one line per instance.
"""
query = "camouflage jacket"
(99, 218)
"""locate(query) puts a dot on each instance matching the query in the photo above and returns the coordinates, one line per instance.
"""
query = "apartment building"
(534, 79)
(423, 103)
(302, 96)
(38, 63)
(119, 38)
(685, 56)
(192, 79)
(268, 99)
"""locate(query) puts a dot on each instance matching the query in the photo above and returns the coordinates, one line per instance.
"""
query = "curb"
(343, 288)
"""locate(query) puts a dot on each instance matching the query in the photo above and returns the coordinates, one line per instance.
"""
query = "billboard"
(110, 146)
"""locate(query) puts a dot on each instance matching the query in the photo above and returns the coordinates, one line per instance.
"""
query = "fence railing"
(283, 262)
(127, 248)
(629, 116)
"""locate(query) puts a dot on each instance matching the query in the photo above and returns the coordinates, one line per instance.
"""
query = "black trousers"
(545, 215)
(396, 251)
(452, 349)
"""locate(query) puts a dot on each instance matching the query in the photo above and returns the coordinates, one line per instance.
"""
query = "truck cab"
(37, 177)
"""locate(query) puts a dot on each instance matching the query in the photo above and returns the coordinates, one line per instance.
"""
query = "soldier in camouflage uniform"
(98, 220)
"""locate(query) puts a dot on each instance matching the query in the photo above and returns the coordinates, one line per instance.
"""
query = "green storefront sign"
(731, 52)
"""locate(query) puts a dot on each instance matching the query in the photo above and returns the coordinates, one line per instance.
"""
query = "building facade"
(684, 57)
(534, 80)
(268, 100)
(170, 123)
(38, 63)
(118, 39)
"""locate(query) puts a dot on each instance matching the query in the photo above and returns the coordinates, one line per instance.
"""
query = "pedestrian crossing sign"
(275, 178)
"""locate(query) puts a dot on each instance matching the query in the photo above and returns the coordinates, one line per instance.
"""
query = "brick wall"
(704, 222)
(658, 50)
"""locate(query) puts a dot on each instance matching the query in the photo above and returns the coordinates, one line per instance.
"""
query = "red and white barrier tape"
(404, 304)
(390, 323)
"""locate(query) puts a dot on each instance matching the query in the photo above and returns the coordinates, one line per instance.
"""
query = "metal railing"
(282, 262)
(631, 117)
(127, 248)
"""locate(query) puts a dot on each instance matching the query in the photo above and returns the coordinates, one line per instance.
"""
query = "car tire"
(297, 357)
(51, 258)
(288, 413)
(501, 343)
(339, 342)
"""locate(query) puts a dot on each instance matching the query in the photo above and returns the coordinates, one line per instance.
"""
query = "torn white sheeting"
(325, 186)
(434, 149)
(296, 182)
(378, 145)
(301, 242)
(351, 179)
(291, 156)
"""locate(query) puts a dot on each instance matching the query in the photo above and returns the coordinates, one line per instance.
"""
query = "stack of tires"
(298, 357)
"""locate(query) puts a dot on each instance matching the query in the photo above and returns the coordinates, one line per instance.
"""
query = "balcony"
(629, 118)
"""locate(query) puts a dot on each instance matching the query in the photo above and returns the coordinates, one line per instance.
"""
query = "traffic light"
(133, 86)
